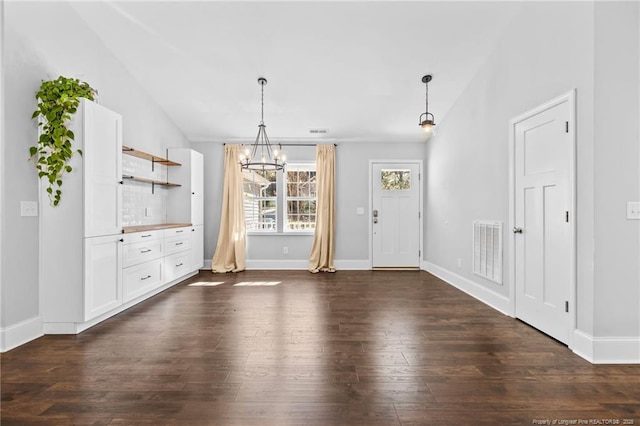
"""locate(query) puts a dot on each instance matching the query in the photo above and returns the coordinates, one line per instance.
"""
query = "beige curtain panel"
(230, 254)
(322, 251)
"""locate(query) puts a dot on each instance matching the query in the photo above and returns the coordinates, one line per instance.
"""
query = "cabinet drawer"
(177, 265)
(176, 232)
(142, 252)
(177, 244)
(137, 237)
(140, 279)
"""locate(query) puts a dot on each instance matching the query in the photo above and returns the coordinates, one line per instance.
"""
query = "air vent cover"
(487, 250)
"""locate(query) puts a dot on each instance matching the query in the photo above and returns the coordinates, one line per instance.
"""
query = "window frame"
(285, 198)
(281, 204)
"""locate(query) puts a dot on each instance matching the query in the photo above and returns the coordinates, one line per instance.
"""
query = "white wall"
(352, 191)
(617, 148)
(549, 49)
(32, 55)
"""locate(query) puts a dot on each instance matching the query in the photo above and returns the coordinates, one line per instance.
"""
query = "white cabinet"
(197, 247)
(186, 203)
(102, 275)
(81, 253)
(142, 278)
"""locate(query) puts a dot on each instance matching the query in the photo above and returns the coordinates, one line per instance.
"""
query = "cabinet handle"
(193, 193)
(179, 244)
(145, 278)
(145, 251)
(121, 182)
(182, 230)
(121, 240)
(145, 236)
(179, 264)
(193, 230)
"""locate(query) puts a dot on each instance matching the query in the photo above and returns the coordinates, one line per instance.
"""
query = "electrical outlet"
(633, 210)
(285, 250)
(28, 208)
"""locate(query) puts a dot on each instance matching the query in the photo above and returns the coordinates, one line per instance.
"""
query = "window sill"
(274, 234)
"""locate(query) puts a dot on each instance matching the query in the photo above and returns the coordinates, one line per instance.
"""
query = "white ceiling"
(353, 68)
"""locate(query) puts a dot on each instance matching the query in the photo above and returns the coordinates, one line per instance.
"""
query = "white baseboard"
(606, 350)
(301, 264)
(483, 294)
(18, 334)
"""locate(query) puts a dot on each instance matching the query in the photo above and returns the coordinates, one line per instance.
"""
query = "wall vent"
(487, 250)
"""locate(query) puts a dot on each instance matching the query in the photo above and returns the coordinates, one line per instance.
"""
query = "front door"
(542, 232)
(395, 215)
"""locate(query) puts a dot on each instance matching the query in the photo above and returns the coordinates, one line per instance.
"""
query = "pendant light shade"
(426, 120)
(260, 155)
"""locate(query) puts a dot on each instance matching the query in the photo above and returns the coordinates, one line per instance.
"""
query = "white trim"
(75, 328)
(20, 333)
(570, 98)
(259, 264)
(606, 350)
(420, 205)
(300, 264)
(478, 291)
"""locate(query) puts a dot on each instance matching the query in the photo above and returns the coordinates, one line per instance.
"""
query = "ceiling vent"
(318, 131)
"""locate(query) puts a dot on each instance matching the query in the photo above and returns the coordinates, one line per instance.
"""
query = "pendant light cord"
(426, 108)
(262, 104)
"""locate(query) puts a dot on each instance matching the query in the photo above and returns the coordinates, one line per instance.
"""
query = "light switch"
(28, 208)
(633, 210)
(360, 210)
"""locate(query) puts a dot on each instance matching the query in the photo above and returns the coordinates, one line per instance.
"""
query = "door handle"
(375, 213)
(517, 230)
(375, 220)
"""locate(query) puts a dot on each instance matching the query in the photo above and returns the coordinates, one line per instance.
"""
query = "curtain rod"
(290, 144)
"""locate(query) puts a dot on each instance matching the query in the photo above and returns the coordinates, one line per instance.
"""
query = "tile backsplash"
(143, 203)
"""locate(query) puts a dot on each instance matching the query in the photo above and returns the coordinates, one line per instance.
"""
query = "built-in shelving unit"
(154, 159)
(145, 155)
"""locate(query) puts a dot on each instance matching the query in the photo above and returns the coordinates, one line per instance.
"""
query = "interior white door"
(542, 233)
(395, 215)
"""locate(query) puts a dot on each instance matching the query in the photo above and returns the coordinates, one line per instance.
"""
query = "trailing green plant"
(58, 100)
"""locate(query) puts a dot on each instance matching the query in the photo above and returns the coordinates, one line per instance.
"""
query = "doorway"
(396, 214)
(542, 204)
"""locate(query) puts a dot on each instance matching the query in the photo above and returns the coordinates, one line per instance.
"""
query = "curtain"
(230, 250)
(322, 251)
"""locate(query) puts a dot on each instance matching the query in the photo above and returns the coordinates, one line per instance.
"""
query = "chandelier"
(428, 122)
(260, 155)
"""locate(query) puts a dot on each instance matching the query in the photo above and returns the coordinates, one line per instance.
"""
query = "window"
(280, 202)
(395, 180)
(301, 198)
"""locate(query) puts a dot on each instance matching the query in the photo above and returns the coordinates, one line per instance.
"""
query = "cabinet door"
(197, 247)
(197, 188)
(102, 130)
(102, 275)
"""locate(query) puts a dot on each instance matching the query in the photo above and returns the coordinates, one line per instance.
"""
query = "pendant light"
(428, 121)
(260, 155)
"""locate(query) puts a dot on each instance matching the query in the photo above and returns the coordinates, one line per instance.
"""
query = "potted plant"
(58, 100)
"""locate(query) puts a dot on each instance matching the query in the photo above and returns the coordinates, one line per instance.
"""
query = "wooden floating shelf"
(153, 182)
(145, 155)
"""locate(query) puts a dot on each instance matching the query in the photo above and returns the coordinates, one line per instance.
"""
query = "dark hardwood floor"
(350, 348)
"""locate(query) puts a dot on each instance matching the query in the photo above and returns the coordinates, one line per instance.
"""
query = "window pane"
(301, 198)
(260, 200)
(395, 180)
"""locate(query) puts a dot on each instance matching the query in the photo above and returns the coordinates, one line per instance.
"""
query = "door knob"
(517, 230)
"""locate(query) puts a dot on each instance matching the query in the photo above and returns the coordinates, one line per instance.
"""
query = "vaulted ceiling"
(352, 68)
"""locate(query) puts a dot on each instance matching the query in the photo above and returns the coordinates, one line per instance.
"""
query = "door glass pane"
(395, 180)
